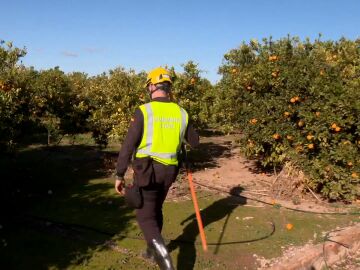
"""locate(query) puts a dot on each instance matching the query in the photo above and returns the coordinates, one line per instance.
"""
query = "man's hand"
(120, 186)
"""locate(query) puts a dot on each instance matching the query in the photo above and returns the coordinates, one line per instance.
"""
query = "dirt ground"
(218, 163)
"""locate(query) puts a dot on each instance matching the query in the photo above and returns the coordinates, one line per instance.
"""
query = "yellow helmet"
(158, 75)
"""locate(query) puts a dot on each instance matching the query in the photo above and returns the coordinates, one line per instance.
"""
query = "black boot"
(162, 256)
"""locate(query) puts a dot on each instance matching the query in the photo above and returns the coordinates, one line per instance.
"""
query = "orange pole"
(197, 211)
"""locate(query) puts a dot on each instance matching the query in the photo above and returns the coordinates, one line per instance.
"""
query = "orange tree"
(35, 101)
(55, 105)
(193, 93)
(298, 101)
(12, 96)
(111, 99)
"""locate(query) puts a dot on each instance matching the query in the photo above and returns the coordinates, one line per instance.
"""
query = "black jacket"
(134, 135)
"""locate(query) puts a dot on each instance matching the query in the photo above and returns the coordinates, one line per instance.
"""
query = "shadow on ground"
(207, 154)
(187, 240)
(255, 167)
(45, 190)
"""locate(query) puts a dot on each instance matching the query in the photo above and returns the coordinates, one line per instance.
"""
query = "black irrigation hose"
(69, 225)
(72, 226)
(111, 234)
(326, 238)
(278, 205)
(231, 242)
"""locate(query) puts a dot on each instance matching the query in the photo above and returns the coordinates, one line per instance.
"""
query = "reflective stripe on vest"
(166, 120)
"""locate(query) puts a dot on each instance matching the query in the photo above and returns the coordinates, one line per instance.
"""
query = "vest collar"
(162, 99)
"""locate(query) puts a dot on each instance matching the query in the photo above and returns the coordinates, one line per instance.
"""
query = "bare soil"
(219, 163)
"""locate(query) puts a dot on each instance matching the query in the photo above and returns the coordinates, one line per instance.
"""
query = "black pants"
(150, 216)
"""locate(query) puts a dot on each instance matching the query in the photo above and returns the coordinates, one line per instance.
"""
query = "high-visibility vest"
(165, 124)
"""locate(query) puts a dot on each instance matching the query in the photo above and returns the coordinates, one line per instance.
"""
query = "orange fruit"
(354, 175)
(333, 126)
(234, 70)
(275, 74)
(301, 123)
(292, 100)
(287, 114)
(273, 58)
(350, 164)
(249, 87)
(317, 114)
(289, 226)
(276, 136)
(253, 121)
(309, 137)
(338, 129)
(311, 146)
(289, 137)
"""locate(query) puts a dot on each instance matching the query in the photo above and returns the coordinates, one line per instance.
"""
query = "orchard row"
(294, 101)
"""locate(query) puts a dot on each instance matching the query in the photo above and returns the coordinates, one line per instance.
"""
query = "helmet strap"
(152, 92)
(156, 89)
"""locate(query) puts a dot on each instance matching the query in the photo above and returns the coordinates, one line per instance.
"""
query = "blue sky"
(95, 36)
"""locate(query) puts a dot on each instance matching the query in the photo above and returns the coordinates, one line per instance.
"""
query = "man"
(155, 135)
